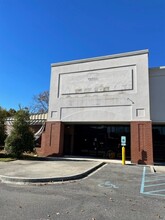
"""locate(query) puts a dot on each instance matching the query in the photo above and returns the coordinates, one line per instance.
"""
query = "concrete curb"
(157, 169)
(21, 180)
(152, 169)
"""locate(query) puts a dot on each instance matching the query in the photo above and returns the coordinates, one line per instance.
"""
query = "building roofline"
(157, 68)
(138, 52)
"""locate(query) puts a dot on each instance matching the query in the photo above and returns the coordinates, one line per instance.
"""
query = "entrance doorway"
(96, 140)
(158, 132)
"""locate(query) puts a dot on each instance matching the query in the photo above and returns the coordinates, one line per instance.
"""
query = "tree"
(40, 103)
(3, 115)
(21, 138)
(11, 112)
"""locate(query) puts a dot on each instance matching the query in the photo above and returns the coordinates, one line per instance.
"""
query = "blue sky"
(36, 33)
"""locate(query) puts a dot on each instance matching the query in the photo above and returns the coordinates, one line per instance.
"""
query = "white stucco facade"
(104, 89)
(93, 102)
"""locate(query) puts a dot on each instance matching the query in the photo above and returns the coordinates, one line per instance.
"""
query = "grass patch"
(6, 158)
(26, 156)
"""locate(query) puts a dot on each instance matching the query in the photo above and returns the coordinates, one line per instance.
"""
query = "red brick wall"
(52, 140)
(141, 142)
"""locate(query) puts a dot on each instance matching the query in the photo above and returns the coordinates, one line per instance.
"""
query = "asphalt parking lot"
(111, 192)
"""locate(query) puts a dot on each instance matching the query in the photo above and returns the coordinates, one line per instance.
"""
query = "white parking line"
(159, 184)
(143, 180)
(156, 182)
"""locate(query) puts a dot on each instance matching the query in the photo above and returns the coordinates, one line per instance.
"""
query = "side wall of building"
(157, 94)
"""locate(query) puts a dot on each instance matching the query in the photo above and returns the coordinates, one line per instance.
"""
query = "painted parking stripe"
(155, 193)
(143, 179)
(154, 180)
(161, 190)
(152, 184)
(159, 184)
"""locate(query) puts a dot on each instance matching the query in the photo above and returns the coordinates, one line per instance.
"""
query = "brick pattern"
(52, 140)
(141, 142)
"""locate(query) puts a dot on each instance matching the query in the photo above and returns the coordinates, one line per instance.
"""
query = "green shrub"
(2, 126)
(21, 138)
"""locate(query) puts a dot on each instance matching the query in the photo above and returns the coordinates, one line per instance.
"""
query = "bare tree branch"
(40, 103)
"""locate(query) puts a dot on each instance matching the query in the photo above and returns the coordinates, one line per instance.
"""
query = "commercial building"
(93, 102)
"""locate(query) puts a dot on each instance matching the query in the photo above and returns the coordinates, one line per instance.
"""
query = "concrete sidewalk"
(42, 170)
(46, 170)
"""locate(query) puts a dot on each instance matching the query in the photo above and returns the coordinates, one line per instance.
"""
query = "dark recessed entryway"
(159, 143)
(95, 140)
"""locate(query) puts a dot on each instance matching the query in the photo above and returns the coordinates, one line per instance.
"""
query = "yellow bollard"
(123, 155)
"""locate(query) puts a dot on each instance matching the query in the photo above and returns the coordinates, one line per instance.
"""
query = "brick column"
(141, 142)
(52, 139)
